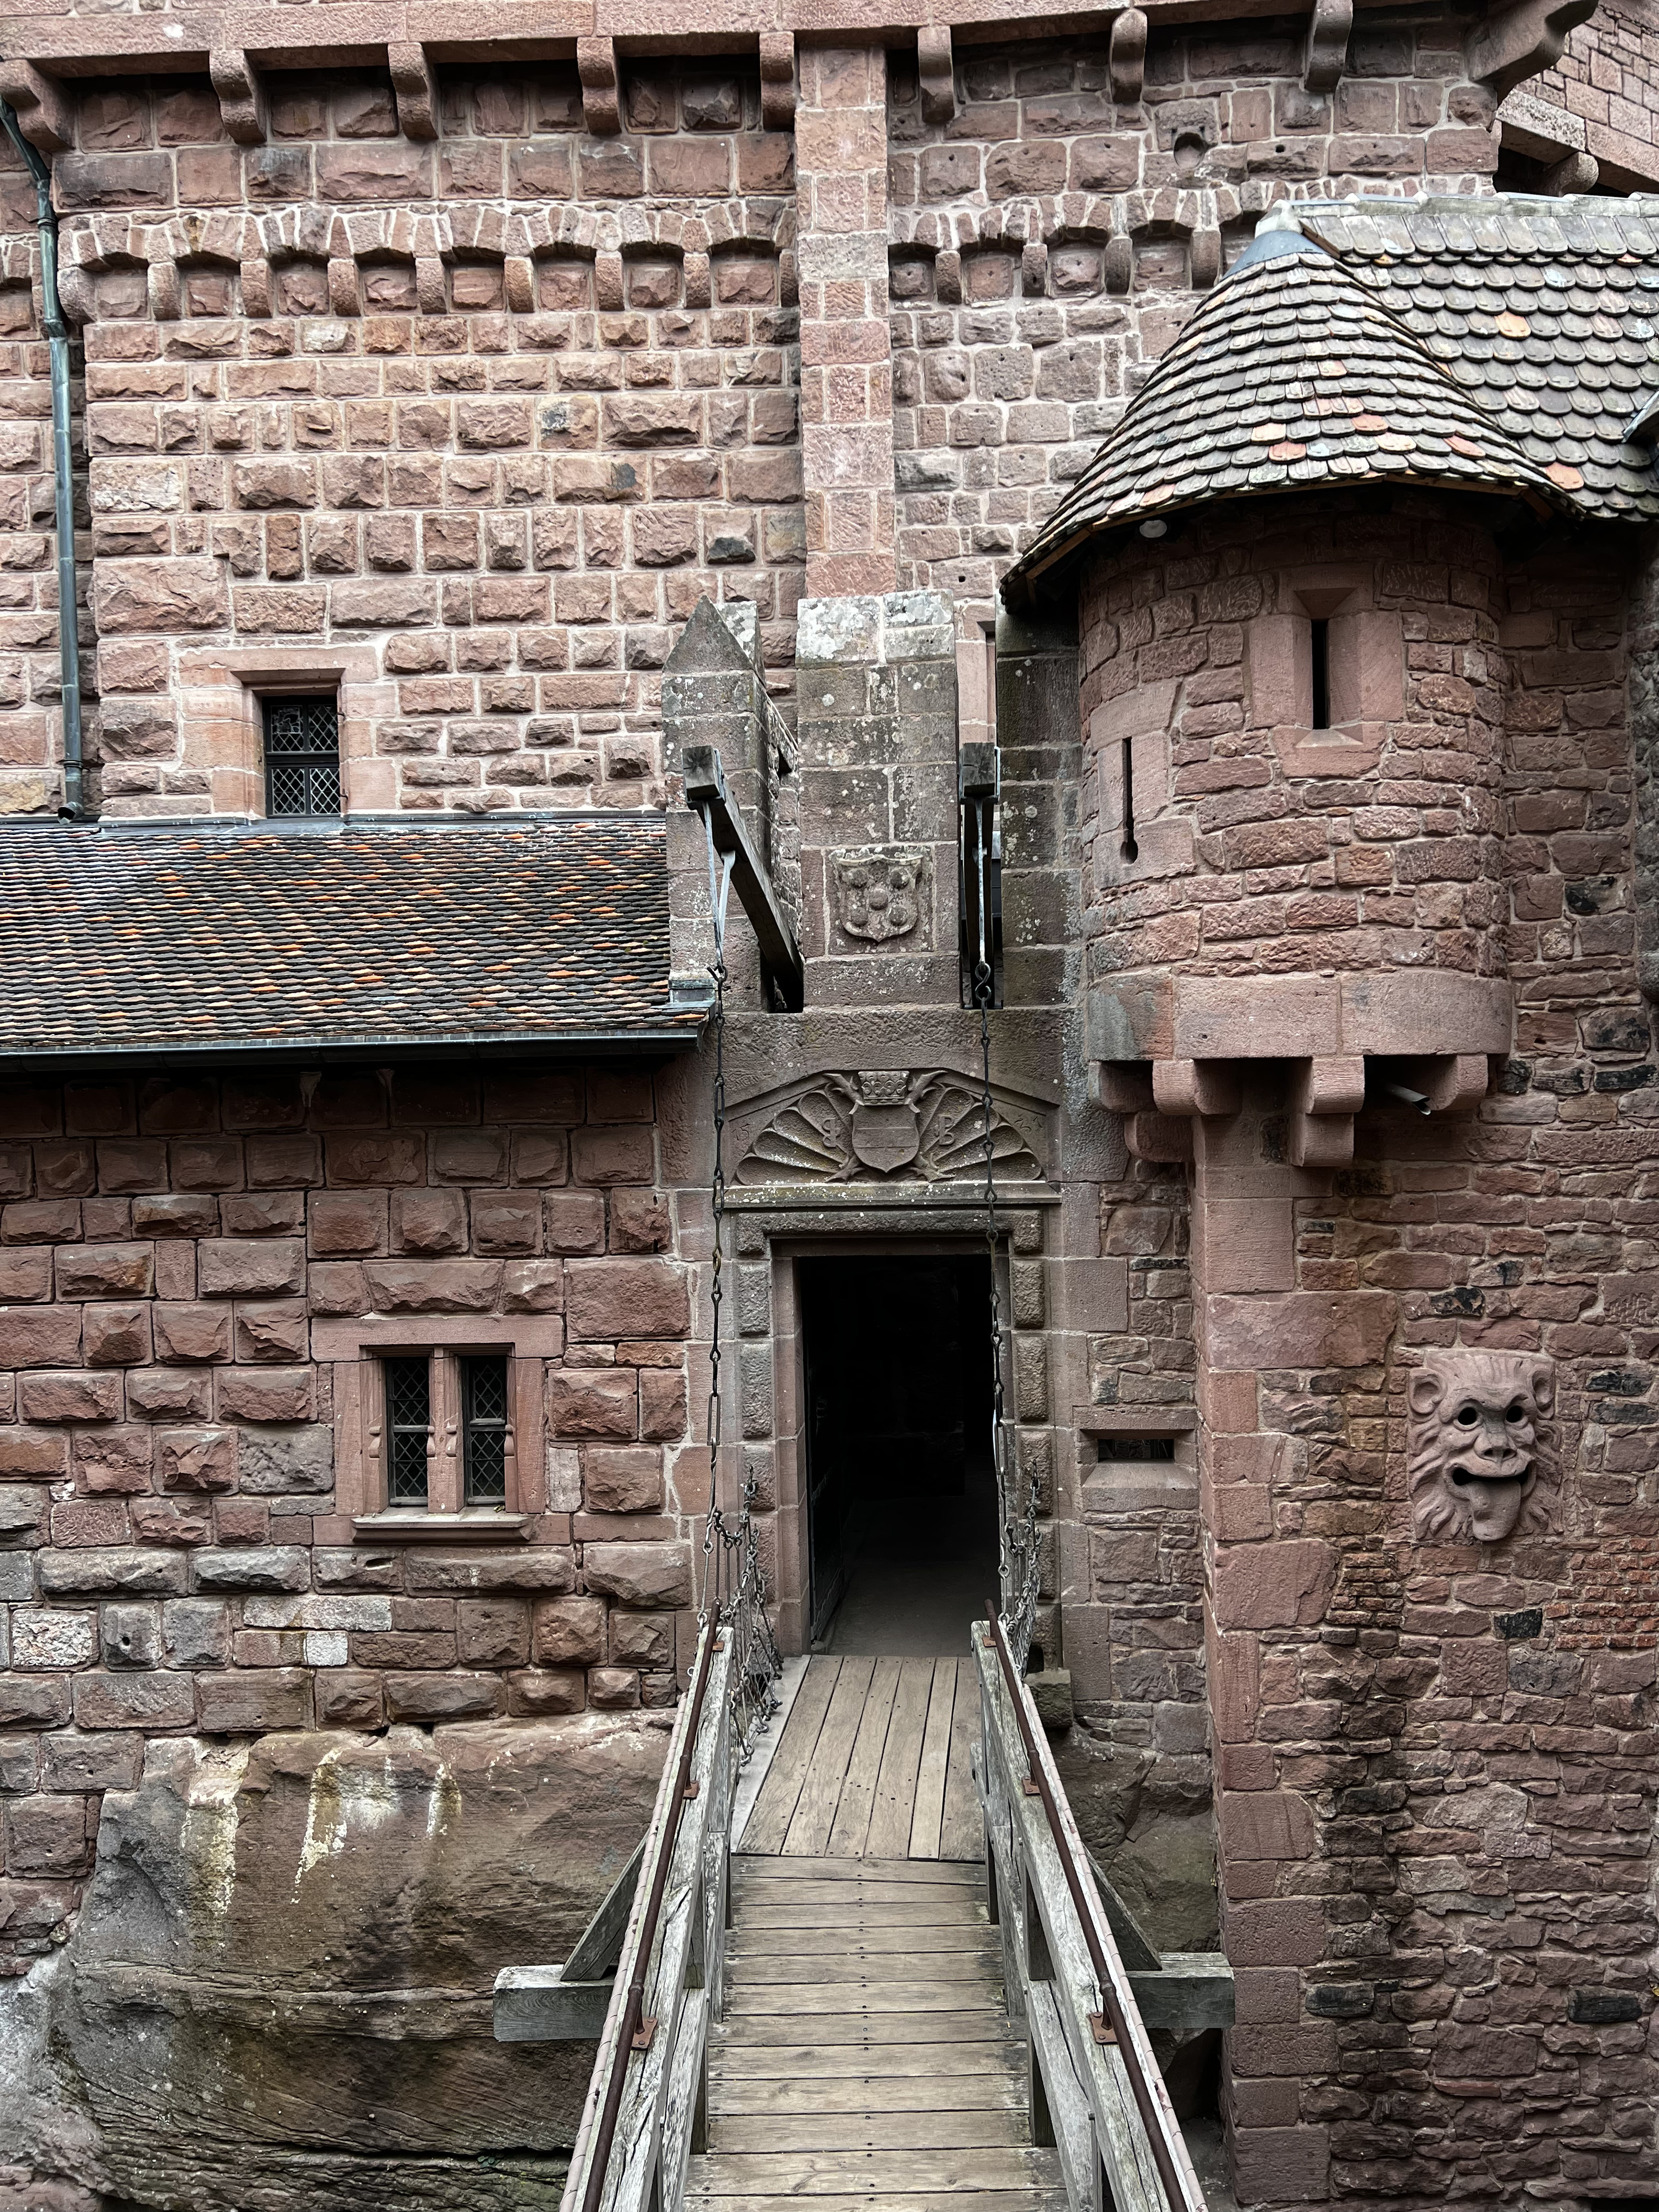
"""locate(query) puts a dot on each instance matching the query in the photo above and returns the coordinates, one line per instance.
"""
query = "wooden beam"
(705, 793)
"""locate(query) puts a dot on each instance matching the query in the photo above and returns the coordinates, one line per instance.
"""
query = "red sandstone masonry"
(179, 1467)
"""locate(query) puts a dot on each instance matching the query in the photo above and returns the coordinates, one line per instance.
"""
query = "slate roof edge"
(308, 1052)
(329, 826)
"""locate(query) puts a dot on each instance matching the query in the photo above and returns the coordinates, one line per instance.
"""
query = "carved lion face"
(1482, 1461)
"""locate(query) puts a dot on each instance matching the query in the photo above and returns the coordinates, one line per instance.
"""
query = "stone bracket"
(241, 95)
(1195, 1086)
(1522, 41)
(1126, 57)
(596, 65)
(1453, 1082)
(1325, 54)
(777, 70)
(936, 67)
(45, 116)
(416, 91)
(705, 793)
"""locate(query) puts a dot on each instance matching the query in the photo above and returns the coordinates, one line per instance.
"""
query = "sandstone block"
(442, 1697)
(265, 1394)
(32, 1451)
(539, 1567)
(105, 1271)
(49, 1835)
(429, 1221)
(90, 1762)
(284, 1459)
(620, 1480)
(98, 1571)
(573, 1222)
(612, 1689)
(602, 1156)
(160, 597)
(169, 1394)
(642, 1639)
(130, 1635)
(154, 1701)
(648, 1576)
(45, 1637)
(607, 1299)
(280, 1568)
(534, 1691)
(346, 1698)
(33, 1701)
(662, 1406)
(50, 1336)
(196, 1631)
(192, 1332)
(70, 1397)
(253, 1700)
(492, 1632)
(446, 1286)
(196, 1459)
(115, 1336)
(592, 1401)
(1278, 1585)
(233, 1267)
(568, 1631)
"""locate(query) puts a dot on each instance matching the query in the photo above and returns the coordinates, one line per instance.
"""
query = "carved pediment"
(890, 1125)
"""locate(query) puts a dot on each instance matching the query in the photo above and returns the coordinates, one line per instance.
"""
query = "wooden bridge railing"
(1097, 2092)
(643, 2116)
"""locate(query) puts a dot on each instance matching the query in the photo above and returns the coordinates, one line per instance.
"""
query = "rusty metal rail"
(1098, 2093)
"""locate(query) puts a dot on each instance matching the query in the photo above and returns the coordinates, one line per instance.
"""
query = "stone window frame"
(358, 1348)
(1366, 669)
(220, 697)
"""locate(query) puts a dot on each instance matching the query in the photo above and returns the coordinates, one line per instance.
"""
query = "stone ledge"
(1405, 1013)
(485, 1526)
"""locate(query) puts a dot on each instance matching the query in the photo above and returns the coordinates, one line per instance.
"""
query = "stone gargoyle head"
(1482, 1445)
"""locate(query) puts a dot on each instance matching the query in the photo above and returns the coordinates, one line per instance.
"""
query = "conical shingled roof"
(1292, 373)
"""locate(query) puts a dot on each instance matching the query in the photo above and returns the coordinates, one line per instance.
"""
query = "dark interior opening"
(902, 1493)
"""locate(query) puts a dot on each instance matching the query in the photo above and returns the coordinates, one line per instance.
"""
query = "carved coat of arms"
(882, 891)
(883, 1121)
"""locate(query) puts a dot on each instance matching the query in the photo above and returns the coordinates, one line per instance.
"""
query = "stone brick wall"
(183, 1265)
(1049, 241)
(1436, 1762)
(29, 668)
(500, 409)
(1606, 86)
(1263, 845)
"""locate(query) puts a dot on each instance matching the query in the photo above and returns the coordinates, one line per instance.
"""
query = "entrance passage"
(902, 1516)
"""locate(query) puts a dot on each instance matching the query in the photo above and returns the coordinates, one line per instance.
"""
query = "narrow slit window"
(1320, 643)
(1136, 1451)
(302, 757)
(1129, 849)
(409, 1430)
(484, 1425)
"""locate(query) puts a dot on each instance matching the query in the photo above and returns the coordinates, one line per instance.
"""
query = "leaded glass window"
(302, 756)
(484, 1424)
(409, 1430)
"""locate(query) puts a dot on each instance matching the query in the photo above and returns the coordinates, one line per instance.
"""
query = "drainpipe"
(57, 343)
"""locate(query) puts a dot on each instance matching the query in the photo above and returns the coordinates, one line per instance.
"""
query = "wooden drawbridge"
(827, 1993)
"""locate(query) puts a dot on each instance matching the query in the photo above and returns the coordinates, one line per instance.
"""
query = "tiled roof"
(1546, 310)
(1292, 373)
(124, 942)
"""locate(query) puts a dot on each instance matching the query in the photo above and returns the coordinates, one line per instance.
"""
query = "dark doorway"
(901, 1495)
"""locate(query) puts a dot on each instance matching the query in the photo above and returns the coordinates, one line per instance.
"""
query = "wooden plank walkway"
(872, 1762)
(865, 2062)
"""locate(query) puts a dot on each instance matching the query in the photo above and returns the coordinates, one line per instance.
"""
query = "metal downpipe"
(57, 343)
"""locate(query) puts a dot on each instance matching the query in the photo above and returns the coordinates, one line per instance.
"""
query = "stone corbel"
(1451, 1082)
(777, 70)
(1522, 41)
(1326, 1092)
(416, 91)
(241, 95)
(1206, 1087)
(1126, 57)
(936, 67)
(46, 115)
(1578, 173)
(1325, 54)
(596, 65)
